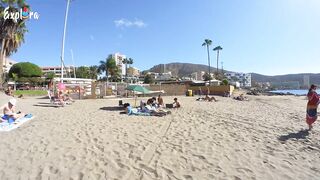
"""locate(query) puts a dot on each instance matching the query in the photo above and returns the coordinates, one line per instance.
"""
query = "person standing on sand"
(313, 102)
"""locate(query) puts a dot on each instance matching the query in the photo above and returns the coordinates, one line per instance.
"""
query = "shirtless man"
(9, 110)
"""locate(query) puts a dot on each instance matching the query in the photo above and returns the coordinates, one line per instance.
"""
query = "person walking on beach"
(313, 102)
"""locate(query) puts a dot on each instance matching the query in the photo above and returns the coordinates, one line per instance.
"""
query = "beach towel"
(8, 125)
(313, 102)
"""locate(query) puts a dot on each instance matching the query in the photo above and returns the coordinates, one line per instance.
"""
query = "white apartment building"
(119, 61)
(7, 64)
(243, 78)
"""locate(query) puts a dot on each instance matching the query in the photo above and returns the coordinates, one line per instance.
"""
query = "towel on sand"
(6, 126)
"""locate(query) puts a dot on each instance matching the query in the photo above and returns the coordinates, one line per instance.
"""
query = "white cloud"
(127, 23)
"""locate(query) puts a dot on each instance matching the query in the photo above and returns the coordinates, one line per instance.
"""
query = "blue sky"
(268, 37)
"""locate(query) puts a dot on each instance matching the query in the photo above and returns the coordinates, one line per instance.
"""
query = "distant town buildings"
(161, 76)
(133, 72)
(243, 78)
(198, 76)
(286, 85)
(306, 81)
(57, 70)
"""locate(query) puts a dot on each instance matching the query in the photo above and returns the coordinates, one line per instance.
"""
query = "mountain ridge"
(185, 69)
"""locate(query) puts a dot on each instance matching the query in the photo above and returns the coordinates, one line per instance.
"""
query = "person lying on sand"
(210, 99)
(241, 98)
(9, 111)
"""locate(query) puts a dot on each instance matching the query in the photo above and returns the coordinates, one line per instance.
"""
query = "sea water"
(294, 91)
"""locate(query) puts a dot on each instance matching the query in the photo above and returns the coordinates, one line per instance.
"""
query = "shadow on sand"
(41, 104)
(302, 134)
(113, 108)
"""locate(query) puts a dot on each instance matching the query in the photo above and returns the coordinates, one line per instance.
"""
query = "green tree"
(218, 49)
(208, 42)
(225, 82)
(26, 70)
(11, 31)
(93, 72)
(207, 77)
(148, 79)
(127, 61)
(83, 72)
(110, 67)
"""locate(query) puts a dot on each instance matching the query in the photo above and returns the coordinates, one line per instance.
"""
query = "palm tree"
(126, 61)
(11, 33)
(208, 42)
(130, 61)
(109, 66)
(93, 72)
(218, 49)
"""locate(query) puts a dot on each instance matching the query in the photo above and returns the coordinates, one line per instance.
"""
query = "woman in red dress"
(313, 102)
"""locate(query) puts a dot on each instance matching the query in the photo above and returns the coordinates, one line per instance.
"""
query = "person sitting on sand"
(210, 99)
(9, 110)
(160, 101)
(64, 98)
(241, 98)
(176, 104)
(9, 91)
(313, 103)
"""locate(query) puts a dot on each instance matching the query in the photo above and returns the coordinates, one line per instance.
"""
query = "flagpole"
(63, 39)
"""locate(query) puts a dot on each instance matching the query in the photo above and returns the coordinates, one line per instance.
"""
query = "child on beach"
(313, 102)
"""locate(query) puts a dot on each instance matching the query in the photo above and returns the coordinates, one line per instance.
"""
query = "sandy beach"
(228, 139)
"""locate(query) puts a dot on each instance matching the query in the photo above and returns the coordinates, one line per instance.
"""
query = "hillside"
(185, 69)
(314, 78)
(180, 69)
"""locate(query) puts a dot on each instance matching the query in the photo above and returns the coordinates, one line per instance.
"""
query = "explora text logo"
(24, 13)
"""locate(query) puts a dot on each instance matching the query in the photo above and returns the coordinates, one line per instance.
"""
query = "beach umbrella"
(61, 86)
(137, 88)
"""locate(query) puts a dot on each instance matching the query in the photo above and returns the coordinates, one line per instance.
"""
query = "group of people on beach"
(153, 107)
(60, 98)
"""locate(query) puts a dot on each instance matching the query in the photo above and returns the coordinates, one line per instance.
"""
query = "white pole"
(74, 66)
(63, 39)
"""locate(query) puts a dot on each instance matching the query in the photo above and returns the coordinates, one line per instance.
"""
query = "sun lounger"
(5, 126)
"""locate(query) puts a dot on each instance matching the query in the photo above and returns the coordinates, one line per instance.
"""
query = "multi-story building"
(7, 64)
(243, 78)
(57, 70)
(198, 76)
(119, 61)
(133, 72)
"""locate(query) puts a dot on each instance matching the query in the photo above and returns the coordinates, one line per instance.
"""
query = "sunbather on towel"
(9, 111)
(210, 99)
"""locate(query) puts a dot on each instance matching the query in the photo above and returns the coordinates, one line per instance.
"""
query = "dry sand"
(259, 139)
